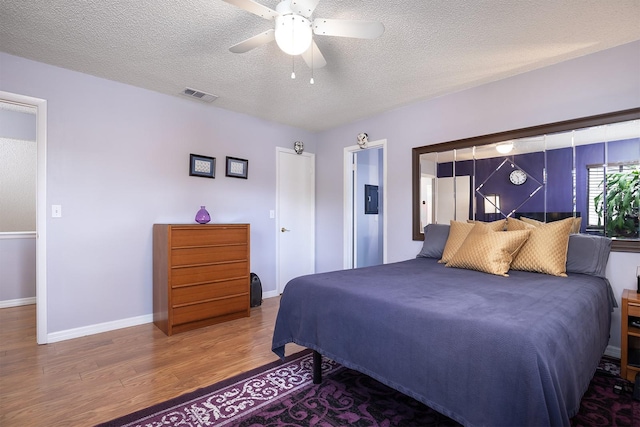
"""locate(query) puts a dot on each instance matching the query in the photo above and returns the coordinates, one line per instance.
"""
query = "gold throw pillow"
(575, 225)
(514, 224)
(457, 233)
(546, 249)
(531, 221)
(489, 251)
(498, 225)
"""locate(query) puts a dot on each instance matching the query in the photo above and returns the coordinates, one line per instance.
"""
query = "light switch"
(56, 211)
(272, 214)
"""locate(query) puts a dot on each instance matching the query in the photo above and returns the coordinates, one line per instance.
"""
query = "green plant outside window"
(622, 197)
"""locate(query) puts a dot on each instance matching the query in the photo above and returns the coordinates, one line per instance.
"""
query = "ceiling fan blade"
(313, 57)
(304, 7)
(253, 42)
(255, 8)
(346, 28)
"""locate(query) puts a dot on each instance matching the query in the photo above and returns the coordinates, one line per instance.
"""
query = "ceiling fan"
(294, 27)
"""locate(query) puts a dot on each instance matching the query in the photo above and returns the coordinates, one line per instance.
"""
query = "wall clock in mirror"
(517, 177)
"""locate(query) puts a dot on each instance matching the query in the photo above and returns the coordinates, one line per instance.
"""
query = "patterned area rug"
(282, 394)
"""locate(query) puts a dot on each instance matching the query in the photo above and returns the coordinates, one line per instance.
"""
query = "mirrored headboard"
(587, 167)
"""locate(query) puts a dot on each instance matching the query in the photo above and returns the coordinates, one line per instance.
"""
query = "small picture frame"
(237, 168)
(202, 166)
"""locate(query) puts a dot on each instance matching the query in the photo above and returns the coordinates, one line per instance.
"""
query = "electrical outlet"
(56, 211)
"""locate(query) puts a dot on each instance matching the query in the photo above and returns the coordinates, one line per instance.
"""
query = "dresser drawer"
(194, 236)
(192, 313)
(209, 273)
(190, 294)
(634, 310)
(208, 254)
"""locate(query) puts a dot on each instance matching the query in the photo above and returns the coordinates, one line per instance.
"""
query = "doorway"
(295, 210)
(365, 222)
(41, 218)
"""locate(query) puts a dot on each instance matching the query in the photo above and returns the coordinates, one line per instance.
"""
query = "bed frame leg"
(317, 367)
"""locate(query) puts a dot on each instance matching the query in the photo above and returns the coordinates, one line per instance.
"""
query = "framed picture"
(237, 168)
(202, 166)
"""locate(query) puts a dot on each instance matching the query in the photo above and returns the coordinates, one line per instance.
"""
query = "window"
(595, 180)
(626, 205)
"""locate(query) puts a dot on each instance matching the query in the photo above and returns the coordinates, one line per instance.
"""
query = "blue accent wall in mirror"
(561, 166)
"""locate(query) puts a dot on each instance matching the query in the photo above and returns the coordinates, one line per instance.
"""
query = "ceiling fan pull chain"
(311, 81)
(293, 69)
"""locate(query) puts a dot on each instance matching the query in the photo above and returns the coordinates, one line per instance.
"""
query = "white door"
(295, 207)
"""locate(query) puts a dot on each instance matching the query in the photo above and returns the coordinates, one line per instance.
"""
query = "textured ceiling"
(429, 48)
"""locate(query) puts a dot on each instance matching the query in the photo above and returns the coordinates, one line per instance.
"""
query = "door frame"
(348, 201)
(312, 232)
(41, 208)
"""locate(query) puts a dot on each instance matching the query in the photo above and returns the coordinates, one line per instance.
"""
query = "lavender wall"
(17, 207)
(17, 125)
(117, 163)
(594, 84)
(17, 270)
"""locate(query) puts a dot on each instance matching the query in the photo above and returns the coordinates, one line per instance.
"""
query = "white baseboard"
(613, 352)
(116, 324)
(96, 329)
(17, 302)
(270, 294)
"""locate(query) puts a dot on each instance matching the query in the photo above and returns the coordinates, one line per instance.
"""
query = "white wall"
(117, 163)
(594, 84)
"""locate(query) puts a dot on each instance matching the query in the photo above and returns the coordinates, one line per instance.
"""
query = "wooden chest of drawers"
(200, 275)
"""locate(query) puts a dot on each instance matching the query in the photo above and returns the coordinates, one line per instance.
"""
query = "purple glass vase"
(202, 217)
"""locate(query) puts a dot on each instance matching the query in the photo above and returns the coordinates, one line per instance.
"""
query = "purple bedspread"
(481, 349)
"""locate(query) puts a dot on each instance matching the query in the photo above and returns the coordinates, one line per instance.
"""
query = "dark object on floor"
(622, 386)
(256, 290)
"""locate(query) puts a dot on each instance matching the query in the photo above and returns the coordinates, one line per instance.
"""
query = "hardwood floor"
(85, 381)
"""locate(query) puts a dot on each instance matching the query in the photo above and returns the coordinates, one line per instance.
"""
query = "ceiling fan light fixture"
(293, 33)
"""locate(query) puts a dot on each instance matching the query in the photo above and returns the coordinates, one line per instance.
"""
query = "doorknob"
(284, 229)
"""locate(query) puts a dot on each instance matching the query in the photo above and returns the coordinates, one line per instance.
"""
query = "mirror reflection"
(592, 173)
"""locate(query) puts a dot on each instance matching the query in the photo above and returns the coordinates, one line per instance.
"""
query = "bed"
(480, 348)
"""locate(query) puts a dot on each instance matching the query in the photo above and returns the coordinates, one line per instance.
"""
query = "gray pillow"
(588, 254)
(435, 237)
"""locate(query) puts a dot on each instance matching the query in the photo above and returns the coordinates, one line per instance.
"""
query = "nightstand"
(630, 339)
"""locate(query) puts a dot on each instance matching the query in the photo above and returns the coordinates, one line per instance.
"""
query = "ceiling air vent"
(197, 94)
